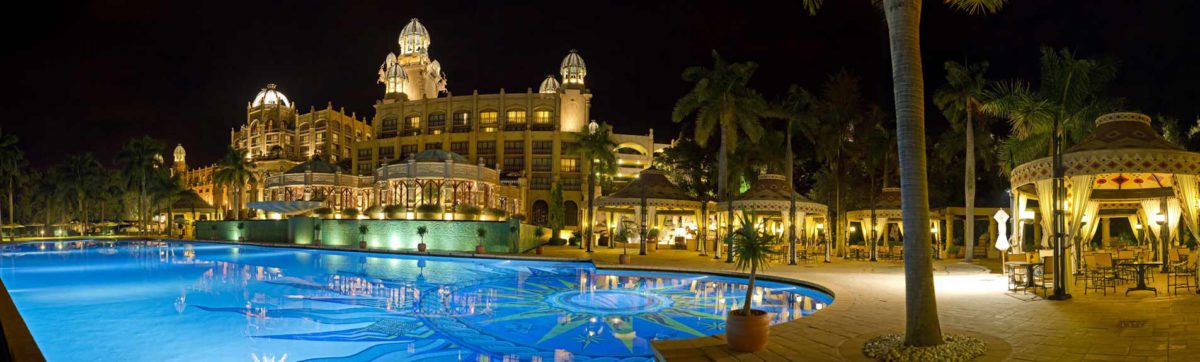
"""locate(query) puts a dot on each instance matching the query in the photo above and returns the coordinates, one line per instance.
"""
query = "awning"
(285, 207)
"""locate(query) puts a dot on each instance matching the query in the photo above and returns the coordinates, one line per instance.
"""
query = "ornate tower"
(180, 165)
(423, 75)
(573, 96)
(270, 113)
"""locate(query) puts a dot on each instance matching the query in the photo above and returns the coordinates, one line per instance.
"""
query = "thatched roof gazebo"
(663, 202)
(1124, 168)
(888, 217)
(770, 198)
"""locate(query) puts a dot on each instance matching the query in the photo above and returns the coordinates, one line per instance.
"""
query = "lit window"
(542, 117)
(487, 120)
(568, 165)
(516, 117)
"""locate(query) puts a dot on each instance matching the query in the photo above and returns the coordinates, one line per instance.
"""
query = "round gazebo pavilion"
(889, 223)
(664, 205)
(769, 200)
(1123, 169)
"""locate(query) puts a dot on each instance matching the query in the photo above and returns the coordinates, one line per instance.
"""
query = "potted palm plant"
(421, 231)
(623, 238)
(652, 239)
(317, 232)
(747, 329)
(362, 236)
(241, 236)
(480, 233)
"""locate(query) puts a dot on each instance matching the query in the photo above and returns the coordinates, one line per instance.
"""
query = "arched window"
(570, 213)
(540, 210)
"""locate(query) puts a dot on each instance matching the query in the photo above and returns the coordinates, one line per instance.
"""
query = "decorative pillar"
(1105, 232)
(991, 238)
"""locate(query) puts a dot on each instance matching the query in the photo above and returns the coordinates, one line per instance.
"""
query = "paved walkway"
(972, 298)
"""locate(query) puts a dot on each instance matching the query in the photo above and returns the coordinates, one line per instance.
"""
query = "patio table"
(1141, 275)
(1028, 270)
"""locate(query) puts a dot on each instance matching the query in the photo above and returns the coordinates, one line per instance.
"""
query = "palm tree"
(554, 216)
(878, 166)
(81, 173)
(595, 149)
(167, 190)
(720, 98)
(12, 160)
(693, 168)
(235, 172)
(922, 327)
(139, 159)
(841, 112)
(795, 109)
(1069, 92)
(961, 100)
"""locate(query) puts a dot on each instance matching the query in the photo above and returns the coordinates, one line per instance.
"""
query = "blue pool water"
(164, 301)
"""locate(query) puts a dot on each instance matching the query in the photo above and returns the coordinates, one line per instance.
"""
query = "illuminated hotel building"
(524, 138)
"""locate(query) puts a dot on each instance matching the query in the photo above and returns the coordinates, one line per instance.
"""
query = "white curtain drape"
(1093, 222)
(880, 230)
(1022, 202)
(1150, 208)
(1079, 192)
(1045, 194)
(1188, 193)
(1173, 212)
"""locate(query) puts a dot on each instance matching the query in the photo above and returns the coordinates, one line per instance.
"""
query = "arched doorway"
(570, 213)
(540, 210)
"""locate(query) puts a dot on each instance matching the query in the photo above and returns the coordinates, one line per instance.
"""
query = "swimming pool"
(160, 301)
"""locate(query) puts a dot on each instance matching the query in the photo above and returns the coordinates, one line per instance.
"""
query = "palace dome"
(414, 39)
(573, 68)
(550, 85)
(270, 96)
(180, 154)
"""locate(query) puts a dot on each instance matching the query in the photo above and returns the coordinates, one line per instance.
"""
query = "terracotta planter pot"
(479, 249)
(623, 259)
(362, 244)
(421, 247)
(539, 250)
(747, 333)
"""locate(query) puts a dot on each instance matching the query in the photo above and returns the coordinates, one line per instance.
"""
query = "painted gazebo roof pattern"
(659, 192)
(1120, 131)
(1121, 144)
(656, 186)
(772, 193)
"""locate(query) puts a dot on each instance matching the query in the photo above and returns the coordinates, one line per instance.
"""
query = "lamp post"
(937, 242)
(1165, 236)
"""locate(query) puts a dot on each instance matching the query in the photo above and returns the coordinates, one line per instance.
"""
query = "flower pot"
(747, 333)
(653, 246)
(421, 247)
(539, 250)
(623, 259)
(362, 244)
(479, 249)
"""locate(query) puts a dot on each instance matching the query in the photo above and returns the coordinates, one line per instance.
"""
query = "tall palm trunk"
(142, 205)
(591, 195)
(703, 225)
(11, 210)
(722, 189)
(791, 234)
(922, 327)
(237, 203)
(728, 198)
(969, 188)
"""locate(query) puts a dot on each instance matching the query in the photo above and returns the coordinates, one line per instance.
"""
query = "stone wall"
(459, 236)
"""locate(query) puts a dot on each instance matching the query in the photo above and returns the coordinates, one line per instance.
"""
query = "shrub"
(350, 212)
(518, 217)
(394, 211)
(323, 212)
(467, 209)
(494, 212)
(429, 209)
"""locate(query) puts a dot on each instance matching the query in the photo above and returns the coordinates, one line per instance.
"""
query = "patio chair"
(897, 252)
(1045, 279)
(1016, 275)
(1182, 275)
(1097, 276)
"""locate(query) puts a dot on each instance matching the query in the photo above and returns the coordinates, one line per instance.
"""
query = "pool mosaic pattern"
(160, 301)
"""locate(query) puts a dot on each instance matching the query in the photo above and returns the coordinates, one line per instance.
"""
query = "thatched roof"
(655, 185)
(1123, 131)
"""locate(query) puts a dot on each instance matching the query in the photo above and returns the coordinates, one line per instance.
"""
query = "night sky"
(87, 77)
